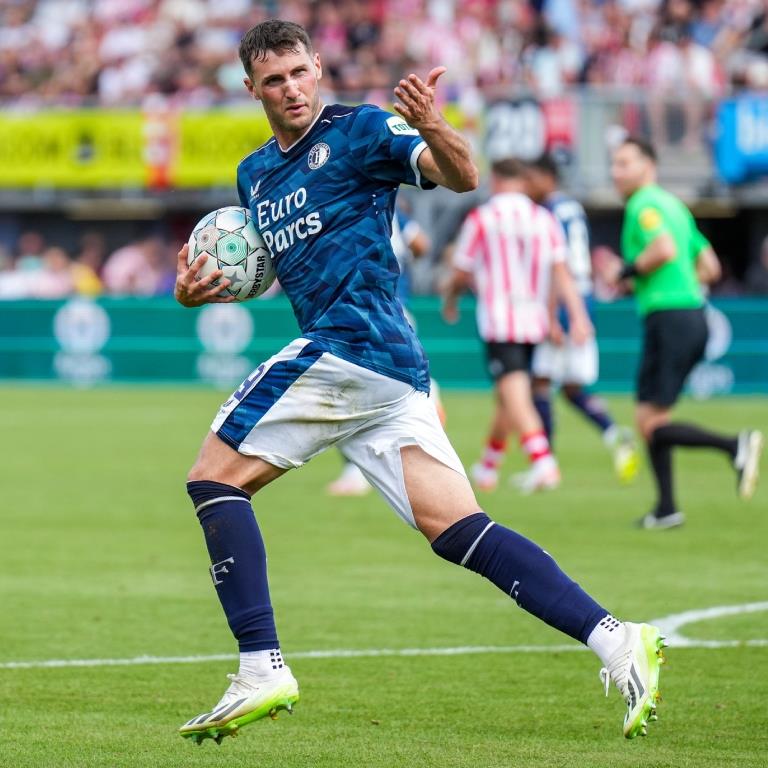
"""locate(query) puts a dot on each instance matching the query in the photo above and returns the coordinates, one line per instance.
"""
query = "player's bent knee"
(572, 391)
(198, 472)
(649, 421)
(438, 495)
(455, 544)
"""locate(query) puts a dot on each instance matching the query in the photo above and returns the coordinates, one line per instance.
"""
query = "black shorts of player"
(673, 343)
(507, 357)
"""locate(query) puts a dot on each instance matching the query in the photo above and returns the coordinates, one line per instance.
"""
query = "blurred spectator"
(680, 70)
(142, 268)
(55, 279)
(29, 252)
(88, 264)
(6, 260)
(552, 62)
(125, 52)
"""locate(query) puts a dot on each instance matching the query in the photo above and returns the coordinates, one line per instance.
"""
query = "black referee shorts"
(673, 343)
(507, 357)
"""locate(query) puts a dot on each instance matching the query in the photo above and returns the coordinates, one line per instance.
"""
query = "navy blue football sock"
(591, 406)
(238, 562)
(543, 406)
(522, 570)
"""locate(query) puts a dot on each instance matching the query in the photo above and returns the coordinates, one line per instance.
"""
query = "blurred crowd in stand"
(40, 270)
(183, 52)
(146, 267)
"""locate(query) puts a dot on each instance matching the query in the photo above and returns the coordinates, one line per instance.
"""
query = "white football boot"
(247, 699)
(544, 475)
(747, 461)
(634, 669)
(484, 478)
(626, 458)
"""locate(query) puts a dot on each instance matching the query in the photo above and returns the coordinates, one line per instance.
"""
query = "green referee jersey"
(652, 211)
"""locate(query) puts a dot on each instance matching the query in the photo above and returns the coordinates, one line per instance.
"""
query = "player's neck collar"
(303, 135)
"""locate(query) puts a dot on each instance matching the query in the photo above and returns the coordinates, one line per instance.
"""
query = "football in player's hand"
(233, 244)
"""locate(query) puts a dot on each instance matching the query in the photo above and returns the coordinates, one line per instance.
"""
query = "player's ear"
(249, 86)
(318, 66)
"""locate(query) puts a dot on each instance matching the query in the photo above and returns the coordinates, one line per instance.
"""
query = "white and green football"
(234, 245)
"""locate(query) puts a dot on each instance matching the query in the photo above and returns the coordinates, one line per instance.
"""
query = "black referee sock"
(660, 446)
(691, 436)
(660, 455)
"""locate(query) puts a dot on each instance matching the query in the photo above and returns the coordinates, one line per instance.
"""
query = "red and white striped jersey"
(510, 245)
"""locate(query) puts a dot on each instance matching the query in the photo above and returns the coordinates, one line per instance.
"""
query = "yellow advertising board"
(211, 144)
(77, 149)
(92, 149)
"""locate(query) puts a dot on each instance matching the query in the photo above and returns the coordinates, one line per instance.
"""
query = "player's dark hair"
(274, 35)
(508, 168)
(644, 147)
(546, 164)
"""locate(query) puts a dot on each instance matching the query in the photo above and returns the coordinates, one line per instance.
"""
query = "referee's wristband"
(627, 271)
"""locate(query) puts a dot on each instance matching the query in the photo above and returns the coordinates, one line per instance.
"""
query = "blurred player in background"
(512, 253)
(560, 360)
(668, 259)
(324, 187)
(409, 241)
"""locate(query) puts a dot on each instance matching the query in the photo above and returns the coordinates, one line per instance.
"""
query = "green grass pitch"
(101, 557)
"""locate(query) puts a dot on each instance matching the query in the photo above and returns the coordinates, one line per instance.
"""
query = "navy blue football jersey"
(325, 206)
(573, 220)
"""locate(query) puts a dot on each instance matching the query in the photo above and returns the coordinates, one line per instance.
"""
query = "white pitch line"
(339, 653)
(669, 624)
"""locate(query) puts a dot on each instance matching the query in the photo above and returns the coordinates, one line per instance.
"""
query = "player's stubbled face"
(629, 169)
(286, 84)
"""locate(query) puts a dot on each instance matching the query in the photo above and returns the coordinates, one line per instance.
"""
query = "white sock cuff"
(261, 662)
(611, 435)
(606, 638)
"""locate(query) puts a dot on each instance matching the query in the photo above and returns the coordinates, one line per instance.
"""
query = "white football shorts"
(304, 400)
(567, 364)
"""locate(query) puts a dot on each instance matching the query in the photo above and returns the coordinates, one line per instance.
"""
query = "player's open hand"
(191, 292)
(417, 100)
(450, 311)
(581, 330)
(611, 272)
(556, 332)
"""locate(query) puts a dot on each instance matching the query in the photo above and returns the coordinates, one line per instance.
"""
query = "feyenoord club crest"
(318, 155)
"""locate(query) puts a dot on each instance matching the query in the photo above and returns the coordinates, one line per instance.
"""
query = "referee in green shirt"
(668, 259)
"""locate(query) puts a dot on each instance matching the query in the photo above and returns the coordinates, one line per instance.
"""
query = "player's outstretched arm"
(191, 292)
(447, 160)
(578, 320)
(457, 283)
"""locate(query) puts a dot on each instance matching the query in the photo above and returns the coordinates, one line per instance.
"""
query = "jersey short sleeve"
(387, 149)
(469, 243)
(648, 223)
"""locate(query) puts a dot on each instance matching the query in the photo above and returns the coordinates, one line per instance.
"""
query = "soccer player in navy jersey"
(322, 192)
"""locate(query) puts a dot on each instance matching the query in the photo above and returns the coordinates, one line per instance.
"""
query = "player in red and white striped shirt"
(511, 253)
